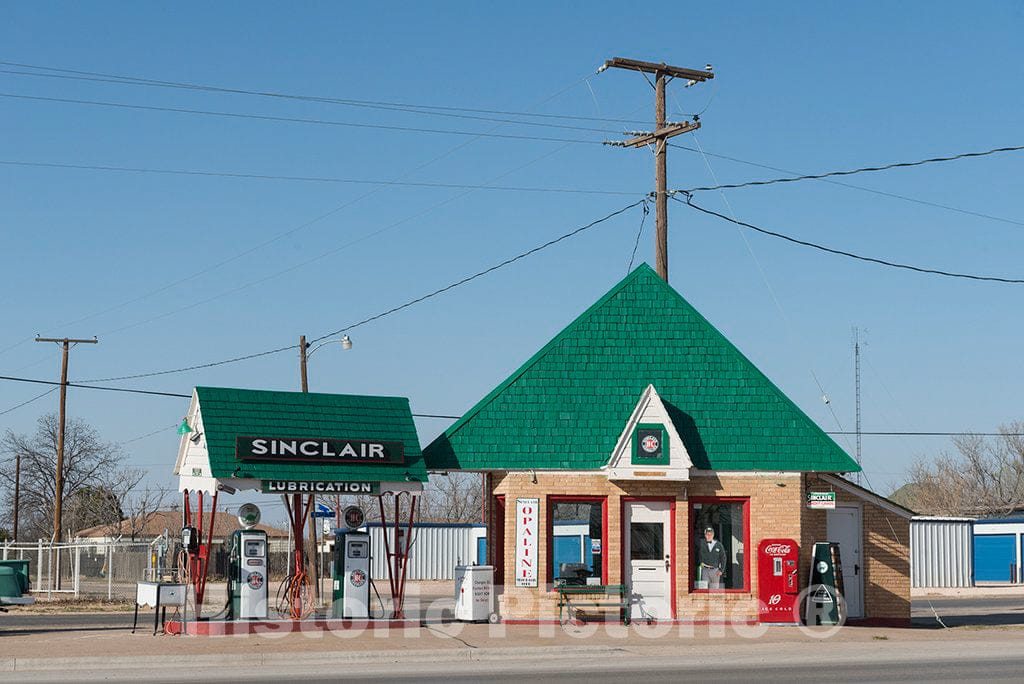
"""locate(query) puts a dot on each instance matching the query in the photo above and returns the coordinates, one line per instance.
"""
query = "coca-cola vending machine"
(778, 586)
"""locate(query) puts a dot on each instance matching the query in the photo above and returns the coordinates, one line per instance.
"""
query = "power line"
(292, 119)
(390, 311)
(310, 179)
(314, 220)
(373, 104)
(478, 274)
(863, 169)
(454, 417)
(196, 367)
(388, 108)
(934, 434)
(26, 403)
(94, 387)
(851, 255)
(882, 193)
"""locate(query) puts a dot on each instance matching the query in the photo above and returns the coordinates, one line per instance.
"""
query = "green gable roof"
(230, 413)
(566, 407)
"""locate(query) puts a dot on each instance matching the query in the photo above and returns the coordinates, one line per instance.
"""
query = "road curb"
(16, 664)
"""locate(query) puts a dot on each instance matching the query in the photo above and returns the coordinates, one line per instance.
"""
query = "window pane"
(577, 542)
(720, 563)
(646, 541)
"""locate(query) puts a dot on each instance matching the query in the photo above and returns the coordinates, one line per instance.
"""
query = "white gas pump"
(352, 575)
(248, 571)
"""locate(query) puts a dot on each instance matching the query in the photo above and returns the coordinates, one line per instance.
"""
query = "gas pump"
(351, 575)
(247, 571)
(777, 581)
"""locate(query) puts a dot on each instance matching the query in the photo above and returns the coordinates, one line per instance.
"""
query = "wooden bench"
(572, 596)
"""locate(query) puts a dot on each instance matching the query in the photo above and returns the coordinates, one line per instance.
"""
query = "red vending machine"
(777, 564)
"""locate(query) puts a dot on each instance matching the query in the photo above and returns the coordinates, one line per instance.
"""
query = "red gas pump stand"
(778, 585)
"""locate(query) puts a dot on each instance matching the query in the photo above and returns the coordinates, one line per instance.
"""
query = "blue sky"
(804, 86)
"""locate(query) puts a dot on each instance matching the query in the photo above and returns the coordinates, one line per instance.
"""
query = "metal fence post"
(78, 568)
(110, 571)
(5, 551)
(39, 567)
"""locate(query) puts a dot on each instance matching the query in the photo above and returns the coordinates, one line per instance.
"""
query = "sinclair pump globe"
(248, 515)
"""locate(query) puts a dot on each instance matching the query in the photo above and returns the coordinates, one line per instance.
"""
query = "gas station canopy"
(297, 442)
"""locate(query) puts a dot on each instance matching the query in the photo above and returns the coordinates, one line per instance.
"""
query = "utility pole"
(311, 522)
(58, 503)
(58, 485)
(17, 492)
(663, 130)
(856, 376)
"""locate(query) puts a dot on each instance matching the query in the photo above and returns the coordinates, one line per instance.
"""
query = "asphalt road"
(955, 612)
(655, 669)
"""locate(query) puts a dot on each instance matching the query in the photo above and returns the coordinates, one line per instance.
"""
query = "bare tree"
(91, 468)
(984, 478)
(455, 497)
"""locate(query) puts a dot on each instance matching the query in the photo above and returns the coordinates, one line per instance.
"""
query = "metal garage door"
(994, 556)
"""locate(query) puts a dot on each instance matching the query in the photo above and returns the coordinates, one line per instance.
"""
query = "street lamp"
(305, 351)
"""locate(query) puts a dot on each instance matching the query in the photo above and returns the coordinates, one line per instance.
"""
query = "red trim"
(745, 500)
(549, 531)
(672, 540)
(498, 540)
(610, 619)
(218, 628)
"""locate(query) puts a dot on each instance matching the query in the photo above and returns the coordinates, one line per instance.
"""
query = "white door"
(844, 527)
(649, 558)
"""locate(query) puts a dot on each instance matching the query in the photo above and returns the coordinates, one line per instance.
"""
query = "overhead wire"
(302, 226)
(390, 311)
(764, 279)
(862, 169)
(26, 403)
(455, 417)
(851, 255)
(294, 119)
(873, 191)
(389, 108)
(397, 106)
(315, 179)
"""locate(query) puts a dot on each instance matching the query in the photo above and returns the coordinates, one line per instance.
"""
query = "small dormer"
(649, 447)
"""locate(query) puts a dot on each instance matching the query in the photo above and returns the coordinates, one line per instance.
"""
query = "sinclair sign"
(319, 450)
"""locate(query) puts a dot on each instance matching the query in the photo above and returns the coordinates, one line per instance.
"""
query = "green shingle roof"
(566, 407)
(230, 413)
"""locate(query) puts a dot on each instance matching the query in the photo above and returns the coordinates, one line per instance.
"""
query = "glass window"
(646, 541)
(720, 541)
(577, 542)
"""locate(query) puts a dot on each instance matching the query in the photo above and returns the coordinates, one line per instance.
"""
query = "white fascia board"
(193, 462)
(649, 409)
(865, 495)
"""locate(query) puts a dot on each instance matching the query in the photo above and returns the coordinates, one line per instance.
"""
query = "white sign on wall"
(526, 542)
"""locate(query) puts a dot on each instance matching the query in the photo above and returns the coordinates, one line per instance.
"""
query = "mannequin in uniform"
(711, 557)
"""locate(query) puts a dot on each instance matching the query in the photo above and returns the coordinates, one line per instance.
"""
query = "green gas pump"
(825, 590)
(351, 570)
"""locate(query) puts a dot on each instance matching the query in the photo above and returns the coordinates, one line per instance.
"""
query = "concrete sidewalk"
(99, 653)
(99, 647)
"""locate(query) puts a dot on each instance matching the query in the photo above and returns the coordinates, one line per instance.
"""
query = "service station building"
(640, 448)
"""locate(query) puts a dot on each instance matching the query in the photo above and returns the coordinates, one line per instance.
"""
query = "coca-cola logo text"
(778, 549)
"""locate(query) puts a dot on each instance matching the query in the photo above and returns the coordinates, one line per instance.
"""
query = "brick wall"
(885, 545)
(776, 509)
(775, 504)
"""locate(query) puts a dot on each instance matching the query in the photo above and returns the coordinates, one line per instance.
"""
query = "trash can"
(474, 593)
